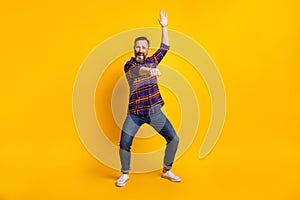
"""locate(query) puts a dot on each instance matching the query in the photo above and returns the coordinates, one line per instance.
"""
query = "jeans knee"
(175, 139)
(125, 146)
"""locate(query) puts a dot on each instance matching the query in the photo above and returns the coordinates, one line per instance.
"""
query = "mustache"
(139, 54)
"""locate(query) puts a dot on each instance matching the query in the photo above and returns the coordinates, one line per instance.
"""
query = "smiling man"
(145, 103)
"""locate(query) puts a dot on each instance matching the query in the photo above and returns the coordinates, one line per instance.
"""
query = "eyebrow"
(140, 46)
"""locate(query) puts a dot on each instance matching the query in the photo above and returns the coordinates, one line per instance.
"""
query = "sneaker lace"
(122, 178)
(172, 175)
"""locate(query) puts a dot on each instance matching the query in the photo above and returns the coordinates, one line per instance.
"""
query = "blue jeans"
(160, 123)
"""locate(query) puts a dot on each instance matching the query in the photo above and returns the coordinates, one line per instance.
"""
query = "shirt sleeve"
(159, 54)
(131, 69)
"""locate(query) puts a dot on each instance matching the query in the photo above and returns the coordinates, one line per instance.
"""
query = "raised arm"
(163, 21)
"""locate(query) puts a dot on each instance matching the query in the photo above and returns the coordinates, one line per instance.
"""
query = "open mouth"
(140, 56)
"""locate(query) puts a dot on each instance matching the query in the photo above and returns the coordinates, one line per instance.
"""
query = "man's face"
(141, 50)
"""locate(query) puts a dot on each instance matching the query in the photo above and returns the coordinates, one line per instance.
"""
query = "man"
(145, 103)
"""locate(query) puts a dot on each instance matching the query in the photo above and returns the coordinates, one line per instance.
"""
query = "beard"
(140, 57)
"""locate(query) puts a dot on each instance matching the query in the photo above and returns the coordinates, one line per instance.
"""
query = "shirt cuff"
(164, 46)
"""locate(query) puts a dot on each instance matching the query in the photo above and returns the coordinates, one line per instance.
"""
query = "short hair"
(141, 38)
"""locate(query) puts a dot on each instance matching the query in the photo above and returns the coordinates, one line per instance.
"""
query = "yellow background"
(256, 47)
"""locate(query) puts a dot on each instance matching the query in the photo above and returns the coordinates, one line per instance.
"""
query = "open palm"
(163, 18)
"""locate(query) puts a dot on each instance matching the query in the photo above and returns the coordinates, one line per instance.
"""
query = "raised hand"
(163, 20)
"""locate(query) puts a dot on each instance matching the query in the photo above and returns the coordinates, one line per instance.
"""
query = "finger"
(165, 14)
(151, 73)
(158, 72)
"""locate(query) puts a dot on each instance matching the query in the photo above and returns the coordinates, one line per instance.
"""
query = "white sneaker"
(172, 177)
(122, 180)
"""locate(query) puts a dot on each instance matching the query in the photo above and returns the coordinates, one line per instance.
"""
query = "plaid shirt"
(144, 96)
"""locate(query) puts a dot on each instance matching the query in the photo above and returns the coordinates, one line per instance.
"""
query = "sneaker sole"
(170, 179)
(121, 184)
